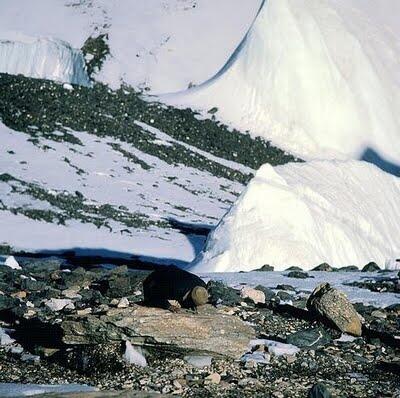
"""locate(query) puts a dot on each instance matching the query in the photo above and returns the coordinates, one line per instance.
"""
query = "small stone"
(257, 296)
(213, 378)
(20, 295)
(72, 293)
(198, 361)
(58, 304)
(85, 311)
(123, 303)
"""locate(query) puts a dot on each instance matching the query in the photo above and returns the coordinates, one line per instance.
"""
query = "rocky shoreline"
(72, 325)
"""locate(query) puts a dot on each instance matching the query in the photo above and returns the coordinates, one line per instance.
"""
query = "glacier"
(43, 58)
(303, 214)
(319, 78)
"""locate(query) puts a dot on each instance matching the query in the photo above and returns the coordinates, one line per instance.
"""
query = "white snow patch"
(275, 347)
(304, 214)
(12, 263)
(42, 57)
(134, 355)
(319, 78)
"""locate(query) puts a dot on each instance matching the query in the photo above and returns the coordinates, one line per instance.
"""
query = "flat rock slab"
(207, 332)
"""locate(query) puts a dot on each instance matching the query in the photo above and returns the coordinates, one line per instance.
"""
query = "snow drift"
(303, 214)
(43, 58)
(320, 78)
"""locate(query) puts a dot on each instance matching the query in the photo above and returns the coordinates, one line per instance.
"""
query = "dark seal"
(174, 284)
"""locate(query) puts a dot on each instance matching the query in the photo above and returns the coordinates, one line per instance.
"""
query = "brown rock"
(334, 306)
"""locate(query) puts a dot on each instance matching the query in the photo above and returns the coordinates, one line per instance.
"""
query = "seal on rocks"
(167, 284)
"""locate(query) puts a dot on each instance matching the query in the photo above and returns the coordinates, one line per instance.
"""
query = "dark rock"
(120, 284)
(323, 267)
(349, 268)
(371, 267)
(222, 294)
(78, 277)
(294, 268)
(298, 274)
(42, 266)
(286, 287)
(319, 391)
(265, 268)
(32, 285)
(285, 296)
(334, 307)
(7, 303)
(310, 338)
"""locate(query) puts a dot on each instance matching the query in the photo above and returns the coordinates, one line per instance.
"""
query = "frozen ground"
(306, 286)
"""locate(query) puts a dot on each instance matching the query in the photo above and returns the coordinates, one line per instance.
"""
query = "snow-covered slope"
(342, 213)
(154, 44)
(42, 57)
(320, 78)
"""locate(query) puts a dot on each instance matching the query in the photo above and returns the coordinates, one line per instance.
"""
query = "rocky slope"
(71, 325)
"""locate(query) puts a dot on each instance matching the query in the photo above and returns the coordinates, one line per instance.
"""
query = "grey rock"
(333, 306)
(294, 268)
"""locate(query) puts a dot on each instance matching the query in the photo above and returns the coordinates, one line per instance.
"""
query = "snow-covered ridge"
(306, 214)
(320, 78)
(42, 57)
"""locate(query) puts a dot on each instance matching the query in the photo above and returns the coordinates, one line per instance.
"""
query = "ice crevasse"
(303, 214)
(42, 57)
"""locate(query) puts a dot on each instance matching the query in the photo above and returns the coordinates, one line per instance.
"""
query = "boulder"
(298, 274)
(371, 267)
(323, 267)
(257, 296)
(333, 306)
(209, 332)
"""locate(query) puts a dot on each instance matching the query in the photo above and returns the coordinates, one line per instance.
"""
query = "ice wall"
(304, 214)
(44, 58)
